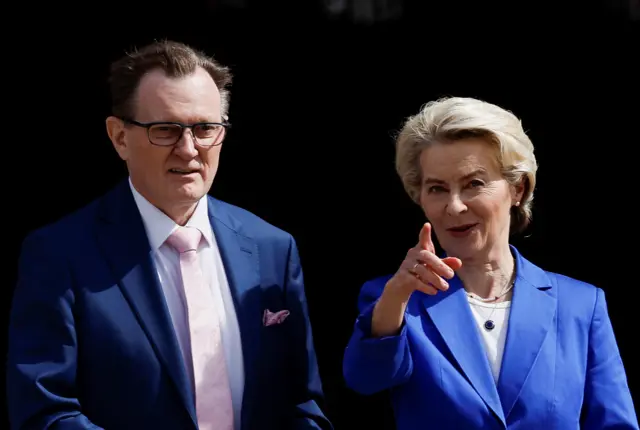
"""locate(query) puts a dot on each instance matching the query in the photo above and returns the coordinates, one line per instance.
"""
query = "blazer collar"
(127, 250)
(240, 257)
(532, 313)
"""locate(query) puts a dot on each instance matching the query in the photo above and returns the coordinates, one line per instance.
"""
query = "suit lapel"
(450, 313)
(533, 310)
(126, 247)
(239, 255)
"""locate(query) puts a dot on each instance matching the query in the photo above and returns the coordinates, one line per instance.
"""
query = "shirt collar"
(159, 226)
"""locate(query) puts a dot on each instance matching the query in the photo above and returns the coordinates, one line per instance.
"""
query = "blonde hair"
(455, 118)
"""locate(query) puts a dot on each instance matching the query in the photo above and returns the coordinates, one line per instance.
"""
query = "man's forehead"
(157, 81)
(194, 95)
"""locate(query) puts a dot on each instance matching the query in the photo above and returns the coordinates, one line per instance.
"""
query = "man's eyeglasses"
(163, 133)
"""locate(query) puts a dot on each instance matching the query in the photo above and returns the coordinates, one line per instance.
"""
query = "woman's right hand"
(422, 269)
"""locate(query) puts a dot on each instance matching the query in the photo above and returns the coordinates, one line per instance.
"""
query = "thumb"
(425, 241)
(453, 262)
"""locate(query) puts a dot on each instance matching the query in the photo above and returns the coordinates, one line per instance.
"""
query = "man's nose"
(186, 146)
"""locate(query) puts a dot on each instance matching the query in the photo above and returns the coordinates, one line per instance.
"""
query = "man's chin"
(184, 192)
(189, 194)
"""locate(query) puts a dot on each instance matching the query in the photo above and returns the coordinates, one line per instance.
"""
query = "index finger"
(425, 241)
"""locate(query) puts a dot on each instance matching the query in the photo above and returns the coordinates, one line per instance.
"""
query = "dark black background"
(315, 101)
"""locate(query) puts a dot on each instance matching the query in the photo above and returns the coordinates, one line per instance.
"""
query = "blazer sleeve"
(607, 400)
(42, 342)
(373, 364)
(308, 390)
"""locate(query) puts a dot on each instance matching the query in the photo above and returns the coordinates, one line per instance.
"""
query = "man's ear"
(117, 133)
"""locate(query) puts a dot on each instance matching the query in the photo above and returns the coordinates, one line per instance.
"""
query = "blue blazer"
(91, 344)
(561, 367)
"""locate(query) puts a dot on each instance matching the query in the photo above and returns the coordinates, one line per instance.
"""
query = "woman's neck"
(490, 276)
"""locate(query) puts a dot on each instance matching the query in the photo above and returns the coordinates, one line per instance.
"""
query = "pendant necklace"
(489, 324)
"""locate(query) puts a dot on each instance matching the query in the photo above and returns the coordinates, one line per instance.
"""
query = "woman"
(483, 338)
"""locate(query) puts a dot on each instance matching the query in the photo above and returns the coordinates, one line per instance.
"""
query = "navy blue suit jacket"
(91, 344)
(561, 368)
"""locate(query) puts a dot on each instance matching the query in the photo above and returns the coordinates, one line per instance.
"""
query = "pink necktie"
(213, 395)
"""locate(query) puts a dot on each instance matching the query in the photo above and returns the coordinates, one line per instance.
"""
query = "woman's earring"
(517, 204)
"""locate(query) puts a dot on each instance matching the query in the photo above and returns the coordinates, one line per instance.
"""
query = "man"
(157, 306)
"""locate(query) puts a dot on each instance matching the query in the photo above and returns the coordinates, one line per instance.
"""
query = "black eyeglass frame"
(147, 125)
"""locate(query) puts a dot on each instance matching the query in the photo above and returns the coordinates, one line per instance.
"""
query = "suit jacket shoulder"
(65, 234)
(246, 222)
(576, 298)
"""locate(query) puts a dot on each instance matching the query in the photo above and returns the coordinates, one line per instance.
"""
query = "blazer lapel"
(450, 313)
(239, 255)
(126, 247)
(533, 310)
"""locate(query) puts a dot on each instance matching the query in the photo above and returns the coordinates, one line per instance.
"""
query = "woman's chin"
(467, 251)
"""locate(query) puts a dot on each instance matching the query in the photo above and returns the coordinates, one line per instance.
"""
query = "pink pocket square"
(271, 318)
